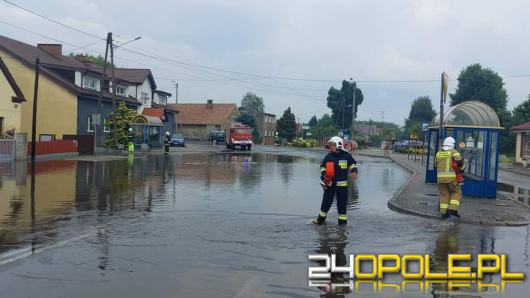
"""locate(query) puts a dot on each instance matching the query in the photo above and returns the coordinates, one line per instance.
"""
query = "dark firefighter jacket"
(343, 162)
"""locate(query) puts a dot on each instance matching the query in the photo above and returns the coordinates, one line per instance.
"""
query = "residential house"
(196, 121)
(522, 149)
(11, 99)
(161, 109)
(269, 129)
(56, 93)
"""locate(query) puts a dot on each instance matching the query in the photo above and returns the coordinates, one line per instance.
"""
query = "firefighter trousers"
(450, 195)
(342, 199)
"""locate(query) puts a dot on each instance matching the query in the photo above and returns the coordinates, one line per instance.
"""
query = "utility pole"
(176, 93)
(443, 96)
(34, 119)
(353, 109)
(101, 84)
(114, 126)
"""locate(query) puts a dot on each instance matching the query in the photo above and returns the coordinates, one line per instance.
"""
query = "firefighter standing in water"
(449, 191)
(167, 142)
(340, 163)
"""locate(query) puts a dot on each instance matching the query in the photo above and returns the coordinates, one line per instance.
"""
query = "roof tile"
(524, 126)
(202, 114)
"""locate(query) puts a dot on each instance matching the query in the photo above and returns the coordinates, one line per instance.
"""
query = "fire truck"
(239, 135)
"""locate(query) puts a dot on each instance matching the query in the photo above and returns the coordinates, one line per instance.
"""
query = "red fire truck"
(239, 135)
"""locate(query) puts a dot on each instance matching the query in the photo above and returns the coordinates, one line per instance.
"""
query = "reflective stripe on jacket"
(444, 160)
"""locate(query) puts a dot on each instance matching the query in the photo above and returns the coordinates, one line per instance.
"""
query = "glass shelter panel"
(493, 156)
(474, 152)
(432, 149)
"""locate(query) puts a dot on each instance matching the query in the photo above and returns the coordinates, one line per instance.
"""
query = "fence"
(7, 149)
(54, 147)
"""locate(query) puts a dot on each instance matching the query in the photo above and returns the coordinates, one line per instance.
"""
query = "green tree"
(421, 111)
(325, 128)
(286, 125)
(482, 84)
(98, 60)
(313, 121)
(521, 113)
(249, 120)
(485, 85)
(120, 137)
(341, 103)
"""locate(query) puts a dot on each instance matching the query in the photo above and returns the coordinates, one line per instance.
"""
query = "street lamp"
(176, 91)
(137, 38)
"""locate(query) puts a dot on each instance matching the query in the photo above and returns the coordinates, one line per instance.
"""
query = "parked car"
(217, 136)
(177, 140)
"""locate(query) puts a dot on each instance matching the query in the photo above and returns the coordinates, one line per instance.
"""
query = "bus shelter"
(147, 130)
(476, 128)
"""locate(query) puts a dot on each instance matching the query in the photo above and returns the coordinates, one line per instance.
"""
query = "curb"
(395, 206)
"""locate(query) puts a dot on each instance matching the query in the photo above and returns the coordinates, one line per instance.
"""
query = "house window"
(144, 98)
(121, 90)
(90, 125)
(43, 137)
(106, 127)
(90, 83)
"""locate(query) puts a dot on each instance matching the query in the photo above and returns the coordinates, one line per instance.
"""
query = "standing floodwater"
(210, 225)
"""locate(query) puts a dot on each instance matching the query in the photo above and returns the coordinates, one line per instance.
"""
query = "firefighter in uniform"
(167, 142)
(342, 163)
(449, 191)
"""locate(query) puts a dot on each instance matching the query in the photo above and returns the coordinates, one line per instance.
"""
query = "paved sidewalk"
(418, 198)
(515, 169)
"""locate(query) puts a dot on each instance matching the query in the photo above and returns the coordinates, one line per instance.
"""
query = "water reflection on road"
(209, 225)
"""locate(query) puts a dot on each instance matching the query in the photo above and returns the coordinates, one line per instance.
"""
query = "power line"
(52, 20)
(147, 54)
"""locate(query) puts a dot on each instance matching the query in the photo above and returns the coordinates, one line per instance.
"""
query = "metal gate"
(7, 149)
(85, 143)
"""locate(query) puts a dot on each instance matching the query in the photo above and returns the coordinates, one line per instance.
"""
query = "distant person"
(449, 190)
(334, 175)
(167, 142)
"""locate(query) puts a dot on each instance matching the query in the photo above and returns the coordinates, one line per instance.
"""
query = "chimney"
(53, 49)
(209, 104)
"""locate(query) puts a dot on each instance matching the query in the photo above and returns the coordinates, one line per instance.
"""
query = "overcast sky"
(326, 40)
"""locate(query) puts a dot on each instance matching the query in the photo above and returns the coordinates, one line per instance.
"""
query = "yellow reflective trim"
(342, 183)
(343, 217)
(323, 214)
(446, 174)
(444, 206)
(343, 164)
(454, 202)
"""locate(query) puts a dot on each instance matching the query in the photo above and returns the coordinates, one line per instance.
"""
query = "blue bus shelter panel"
(481, 153)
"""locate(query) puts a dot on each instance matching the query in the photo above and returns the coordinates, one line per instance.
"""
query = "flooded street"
(212, 225)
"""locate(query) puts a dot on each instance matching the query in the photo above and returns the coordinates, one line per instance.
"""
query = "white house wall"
(145, 87)
(78, 78)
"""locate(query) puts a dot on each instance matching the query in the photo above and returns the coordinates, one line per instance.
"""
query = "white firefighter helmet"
(337, 141)
(167, 133)
(449, 143)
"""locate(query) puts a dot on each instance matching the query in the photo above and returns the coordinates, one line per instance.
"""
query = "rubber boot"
(445, 215)
(319, 220)
(453, 213)
(343, 220)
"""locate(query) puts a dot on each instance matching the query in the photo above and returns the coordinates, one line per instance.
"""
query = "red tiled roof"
(201, 114)
(154, 112)
(524, 126)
